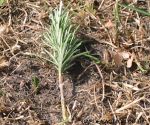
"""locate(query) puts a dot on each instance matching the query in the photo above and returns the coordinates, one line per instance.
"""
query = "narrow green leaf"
(139, 10)
(1, 2)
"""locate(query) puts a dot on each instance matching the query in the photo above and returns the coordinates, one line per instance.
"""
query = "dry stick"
(112, 110)
(81, 74)
(138, 117)
(127, 117)
(25, 19)
(101, 5)
(128, 105)
(61, 85)
(145, 114)
(100, 73)
(148, 3)
(118, 98)
(108, 6)
(95, 99)
(5, 43)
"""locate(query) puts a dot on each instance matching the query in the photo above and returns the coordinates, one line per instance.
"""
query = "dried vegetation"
(116, 91)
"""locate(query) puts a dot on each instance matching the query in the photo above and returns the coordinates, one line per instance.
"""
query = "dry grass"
(115, 91)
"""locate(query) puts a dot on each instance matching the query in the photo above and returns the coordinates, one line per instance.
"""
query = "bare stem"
(63, 106)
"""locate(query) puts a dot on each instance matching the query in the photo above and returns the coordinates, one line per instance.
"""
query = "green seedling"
(62, 48)
(116, 12)
(35, 83)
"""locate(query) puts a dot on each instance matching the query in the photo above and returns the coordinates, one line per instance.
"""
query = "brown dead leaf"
(106, 56)
(22, 83)
(107, 117)
(117, 59)
(130, 61)
(3, 29)
(125, 55)
(109, 24)
(3, 62)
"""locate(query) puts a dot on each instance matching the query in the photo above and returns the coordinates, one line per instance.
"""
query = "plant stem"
(63, 106)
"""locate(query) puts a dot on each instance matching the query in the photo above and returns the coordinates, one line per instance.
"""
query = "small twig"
(103, 86)
(112, 110)
(129, 105)
(101, 5)
(82, 73)
(95, 99)
(145, 114)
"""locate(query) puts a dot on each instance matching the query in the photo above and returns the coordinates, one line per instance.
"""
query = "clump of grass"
(64, 47)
